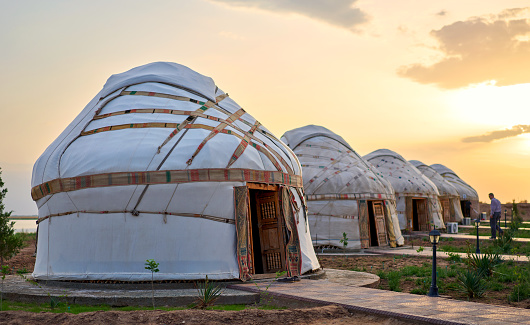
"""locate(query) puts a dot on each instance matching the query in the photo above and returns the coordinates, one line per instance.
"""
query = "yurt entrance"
(446, 210)
(376, 217)
(465, 205)
(418, 210)
(268, 236)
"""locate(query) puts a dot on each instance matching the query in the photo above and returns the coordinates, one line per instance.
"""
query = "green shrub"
(454, 257)
(520, 292)
(208, 293)
(484, 264)
(496, 286)
(472, 284)
(394, 280)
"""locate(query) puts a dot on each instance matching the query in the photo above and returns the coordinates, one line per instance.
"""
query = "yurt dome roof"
(404, 177)
(295, 137)
(331, 166)
(444, 187)
(465, 191)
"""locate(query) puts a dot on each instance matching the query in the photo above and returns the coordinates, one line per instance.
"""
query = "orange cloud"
(479, 50)
(500, 134)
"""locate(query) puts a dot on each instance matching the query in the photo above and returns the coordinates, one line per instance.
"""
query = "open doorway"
(268, 235)
(446, 210)
(419, 215)
(465, 205)
(376, 217)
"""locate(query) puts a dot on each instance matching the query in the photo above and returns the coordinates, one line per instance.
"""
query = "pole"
(433, 291)
(504, 218)
(478, 244)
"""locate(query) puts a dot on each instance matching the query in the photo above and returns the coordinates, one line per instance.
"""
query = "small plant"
(484, 264)
(208, 294)
(5, 271)
(472, 284)
(394, 280)
(22, 271)
(419, 250)
(152, 266)
(454, 257)
(344, 242)
(264, 294)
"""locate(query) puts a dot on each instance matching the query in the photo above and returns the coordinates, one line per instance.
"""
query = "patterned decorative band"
(164, 177)
(321, 197)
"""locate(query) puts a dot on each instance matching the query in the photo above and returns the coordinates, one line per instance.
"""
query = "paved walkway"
(404, 306)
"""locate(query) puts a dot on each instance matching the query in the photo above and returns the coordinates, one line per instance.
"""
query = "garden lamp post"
(434, 238)
(477, 224)
(505, 217)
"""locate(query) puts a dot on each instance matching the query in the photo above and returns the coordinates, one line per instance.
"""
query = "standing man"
(495, 216)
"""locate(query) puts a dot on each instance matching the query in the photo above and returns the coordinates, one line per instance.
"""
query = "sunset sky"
(437, 81)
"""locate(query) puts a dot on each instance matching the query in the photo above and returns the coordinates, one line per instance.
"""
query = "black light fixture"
(434, 238)
(477, 224)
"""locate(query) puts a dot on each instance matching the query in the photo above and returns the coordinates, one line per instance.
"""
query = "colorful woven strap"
(242, 145)
(215, 131)
(164, 177)
(180, 214)
(349, 196)
(130, 126)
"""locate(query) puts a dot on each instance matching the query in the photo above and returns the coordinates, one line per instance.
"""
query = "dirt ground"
(332, 315)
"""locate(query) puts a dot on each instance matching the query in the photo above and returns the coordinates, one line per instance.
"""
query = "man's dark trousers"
(494, 224)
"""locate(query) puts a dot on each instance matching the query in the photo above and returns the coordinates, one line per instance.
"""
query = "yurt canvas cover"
(162, 165)
(468, 196)
(417, 200)
(449, 198)
(345, 194)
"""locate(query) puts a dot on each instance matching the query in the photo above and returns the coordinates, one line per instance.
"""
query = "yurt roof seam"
(178, 214)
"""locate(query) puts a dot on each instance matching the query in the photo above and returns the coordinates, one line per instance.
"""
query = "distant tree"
(10, 243)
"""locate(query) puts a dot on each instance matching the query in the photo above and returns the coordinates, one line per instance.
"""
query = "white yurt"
(449, 198)
(469, 200)
(417, 200)
(345, 194)
(163, 165)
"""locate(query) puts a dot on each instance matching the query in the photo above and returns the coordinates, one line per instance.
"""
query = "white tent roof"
(465, 191)
(147, 170)
(331, 166)
(444, 187)
(404, 177)
(335, 177)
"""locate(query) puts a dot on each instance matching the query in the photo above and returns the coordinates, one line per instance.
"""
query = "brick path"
(416, 308)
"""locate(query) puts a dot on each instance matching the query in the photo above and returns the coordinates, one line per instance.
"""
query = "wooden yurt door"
(423, 219)
(379, 216)
(270, 231)
(446, 209)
